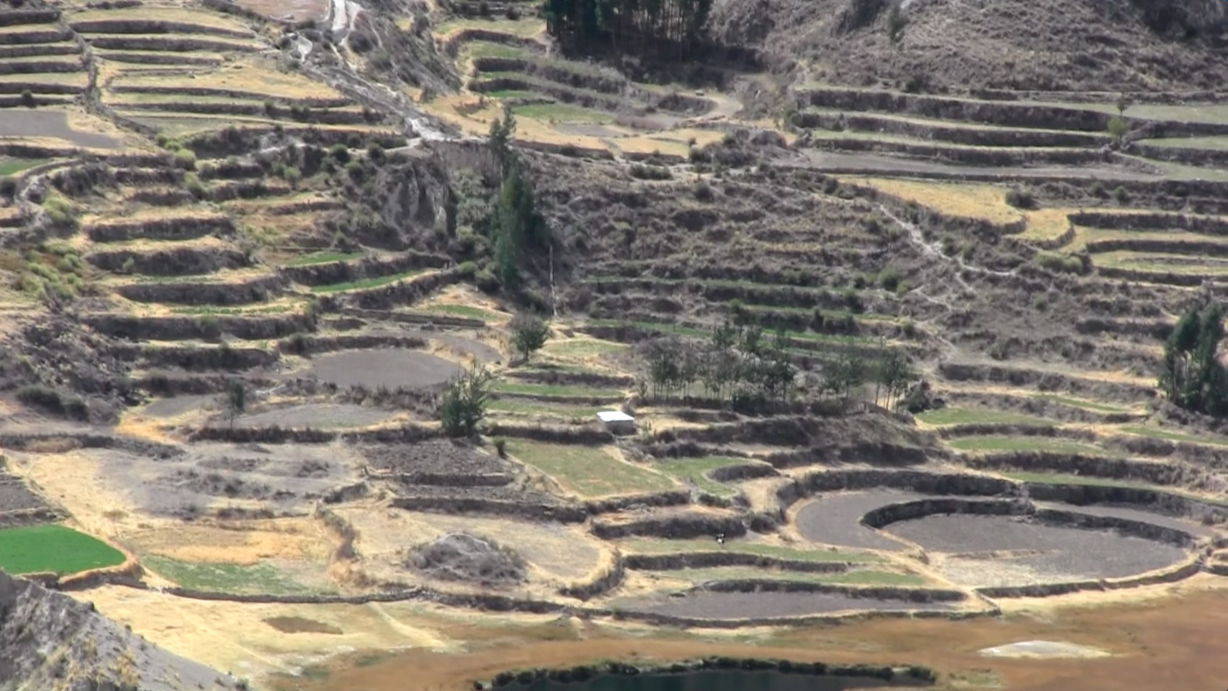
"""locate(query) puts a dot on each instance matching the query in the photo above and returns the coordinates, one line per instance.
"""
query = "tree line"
(626, 24)
(745, 366)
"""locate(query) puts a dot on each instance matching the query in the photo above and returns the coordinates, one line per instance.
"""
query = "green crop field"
(10, 166)
(365, 283)
(226, 578)
(34, 548)
(992, 443)
(521, 406)
(1173, 435)
(323, 258)
(556, 390)
(969, 416)
(694, 471)
(465, 311)
(588, 471)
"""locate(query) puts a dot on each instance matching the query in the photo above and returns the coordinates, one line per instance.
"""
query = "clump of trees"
(738, 363)
(514, 224)
(1192, 375)
(463, 404)
(744, 365)
(628, 24)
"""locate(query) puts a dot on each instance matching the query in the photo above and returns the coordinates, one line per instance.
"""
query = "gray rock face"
(51, 642)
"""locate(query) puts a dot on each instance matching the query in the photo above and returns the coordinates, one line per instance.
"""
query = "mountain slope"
(1033, 45)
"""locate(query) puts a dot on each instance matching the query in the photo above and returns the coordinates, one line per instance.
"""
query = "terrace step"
(193, 357)
(37, 33)
(161, 227)
(39, 50)
(16, 84)
(172, 258)
(958, 153)
(1150, 220)
(15, 17)
(152, 26)
(316, 102)
(156, 57)
(39, 65)
(251, 109)
(168, 42)
(948, 131)
(218, 289)
(188, 328)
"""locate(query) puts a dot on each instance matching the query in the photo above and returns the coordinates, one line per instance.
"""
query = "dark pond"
(712, 680)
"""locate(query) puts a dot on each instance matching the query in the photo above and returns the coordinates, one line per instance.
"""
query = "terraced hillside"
(891, 353)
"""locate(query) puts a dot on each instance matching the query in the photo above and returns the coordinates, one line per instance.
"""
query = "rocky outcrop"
(48, 640)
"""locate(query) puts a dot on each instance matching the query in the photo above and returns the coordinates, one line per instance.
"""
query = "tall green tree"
(1191, 373)
(529, 334)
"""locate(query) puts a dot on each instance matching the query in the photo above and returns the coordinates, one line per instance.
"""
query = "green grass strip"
(588, 471)
(992, 443)
(323, 258)
(366, 283)
(35, 548)
(262, 579)
(972, 416)
(662, 546)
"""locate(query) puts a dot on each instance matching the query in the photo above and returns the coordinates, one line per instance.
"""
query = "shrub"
(186, 159)
(192, 183)
(888, 278)
(703, 192)
(53, 402)
(1059, 263)
(1098, 190)
(501, 447)
(27, 99)
(1020, 198)
(1121, 194)
(647, 172)
(464, 402)
(60, 211)
(340, 153)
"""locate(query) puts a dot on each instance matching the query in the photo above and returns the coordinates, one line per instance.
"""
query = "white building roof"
(608, 416)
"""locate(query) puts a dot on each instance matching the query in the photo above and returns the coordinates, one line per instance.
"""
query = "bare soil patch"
(24, 122)
(433, 456)
(316, 416)
(834, 519)
(1016, 550)
(702, 604)
(388, 368)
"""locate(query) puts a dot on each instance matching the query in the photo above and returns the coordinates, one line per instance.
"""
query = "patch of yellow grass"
(165, 14)
(981, 202)
(1046, 224)
(69, 78)
(255, 75)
